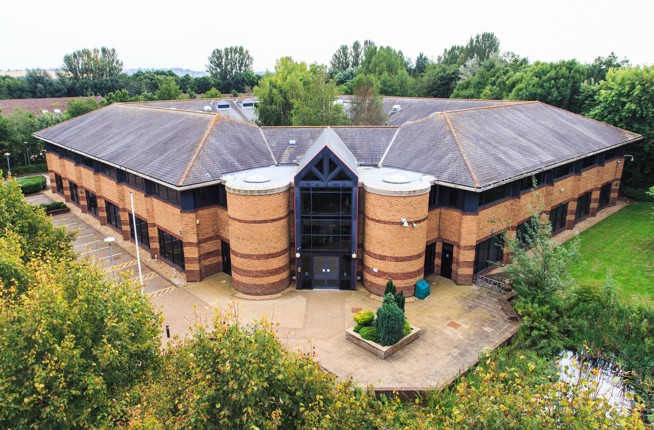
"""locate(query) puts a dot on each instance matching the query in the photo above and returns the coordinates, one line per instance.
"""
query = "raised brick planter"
(382, 351)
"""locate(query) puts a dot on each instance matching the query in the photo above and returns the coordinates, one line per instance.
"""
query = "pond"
(610, 378)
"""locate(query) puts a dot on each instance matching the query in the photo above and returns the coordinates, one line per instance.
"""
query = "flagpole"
(136, 240)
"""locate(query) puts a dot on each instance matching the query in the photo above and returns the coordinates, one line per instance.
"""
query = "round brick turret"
(394, 249)
(259, 237)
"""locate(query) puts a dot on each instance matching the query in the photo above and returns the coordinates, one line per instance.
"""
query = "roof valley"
(197, 150)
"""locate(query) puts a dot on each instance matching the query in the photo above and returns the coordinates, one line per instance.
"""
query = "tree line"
(609, 89)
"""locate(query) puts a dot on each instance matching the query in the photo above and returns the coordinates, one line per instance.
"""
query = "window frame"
(168, 245)
(113, 215)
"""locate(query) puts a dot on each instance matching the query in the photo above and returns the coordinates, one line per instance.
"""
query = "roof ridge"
(388, 148)
(475, 181)
(197, 150)
(263, 136)
(511, 104)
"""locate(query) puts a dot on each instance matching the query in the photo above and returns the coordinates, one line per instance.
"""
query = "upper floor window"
(532, 181)
(165, 193)
(134, 180)
(561, 171)
(494, 194)
(108, 170)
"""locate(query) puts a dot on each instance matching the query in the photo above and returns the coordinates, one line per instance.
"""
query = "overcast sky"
(162, 34)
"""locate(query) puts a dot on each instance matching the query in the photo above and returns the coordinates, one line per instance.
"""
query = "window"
(557, 218)
(208, 196)
(433, 196)
(430, 257)
(528, 182)
(134, 181)
(488, 252)
(605, 195)
(165, 193)
(141, 229)
(583, 206)
(448, 197)
(611, 154)
(171, 249)
(88, 162)
(326, 219)
(113, 215)
(92, 202)
(108, 170)
(59, 184)
(522, 234)
(561, 171)
(588, 162)
(74, 192)
(494, 194)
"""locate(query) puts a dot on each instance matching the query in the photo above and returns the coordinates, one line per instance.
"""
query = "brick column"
(259, 238)
(391, 250)
(464, 253)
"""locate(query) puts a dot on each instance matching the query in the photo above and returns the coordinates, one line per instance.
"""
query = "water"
(610, 379)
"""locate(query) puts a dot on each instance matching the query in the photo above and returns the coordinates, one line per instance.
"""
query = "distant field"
(624, 244)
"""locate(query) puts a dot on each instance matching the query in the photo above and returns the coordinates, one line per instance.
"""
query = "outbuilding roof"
(468, 144)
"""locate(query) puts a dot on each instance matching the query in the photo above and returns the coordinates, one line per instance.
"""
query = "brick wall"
(259, 242)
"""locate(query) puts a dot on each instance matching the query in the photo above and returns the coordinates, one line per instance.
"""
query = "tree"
(225, 63)
(117, 97)
(80, 107)
(168, 90)
(366, 107)
(72, 347)
(92, 64)
(626, 100)
(558, 84)
(390, 68)
(41, 84)
(278, 92)
(340, 60)
(420, 65)
(438, 80)
(315, 105)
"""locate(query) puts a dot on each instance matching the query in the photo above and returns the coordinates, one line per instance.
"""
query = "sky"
(159, 34)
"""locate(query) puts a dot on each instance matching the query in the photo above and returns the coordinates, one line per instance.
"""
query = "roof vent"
(257, 179)
(292, 143)
(396, 108)
(207, 109)
(396, 179)
(248, 103)
(57, 111)
(222, 104)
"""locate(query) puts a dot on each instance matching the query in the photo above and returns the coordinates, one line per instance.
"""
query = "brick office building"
(325, 207)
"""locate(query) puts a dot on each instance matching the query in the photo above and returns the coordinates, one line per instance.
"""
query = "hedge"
(32, 185)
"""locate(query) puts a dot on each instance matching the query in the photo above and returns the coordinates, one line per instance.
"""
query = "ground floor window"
(113, 215)
(92, 203)
(171, 249)
(59, 183)
(74, 192)
(141, 230)
(488, 252)
(557, 217)
(605, 195)
(583, 206)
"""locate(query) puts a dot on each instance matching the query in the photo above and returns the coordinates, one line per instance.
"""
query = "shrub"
(32, 185)
(390, 287)
(390, 323)
(400, 300)
(369, 333)
(389, 298)
(364, 317)
(406, 330)
(22, 170)
(52, 206)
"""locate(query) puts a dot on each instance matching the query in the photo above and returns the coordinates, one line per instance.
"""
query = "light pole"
(8, 165)
(27, 148)
(110, 240)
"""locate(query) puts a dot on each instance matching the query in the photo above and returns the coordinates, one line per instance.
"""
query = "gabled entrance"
(325, 216)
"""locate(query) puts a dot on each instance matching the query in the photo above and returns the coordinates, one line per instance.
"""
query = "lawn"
(624, 244)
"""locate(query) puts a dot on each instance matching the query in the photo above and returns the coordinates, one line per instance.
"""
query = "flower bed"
(379, 350)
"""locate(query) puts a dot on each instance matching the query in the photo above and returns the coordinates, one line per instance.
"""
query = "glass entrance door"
(325, 271)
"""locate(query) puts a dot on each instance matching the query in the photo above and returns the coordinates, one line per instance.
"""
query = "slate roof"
(37, 106)
(475, 148)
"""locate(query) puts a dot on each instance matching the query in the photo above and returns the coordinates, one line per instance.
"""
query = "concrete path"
(459, 322)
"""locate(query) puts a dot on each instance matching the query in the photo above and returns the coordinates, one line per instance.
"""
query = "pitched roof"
(474, 148)
(37, 106)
